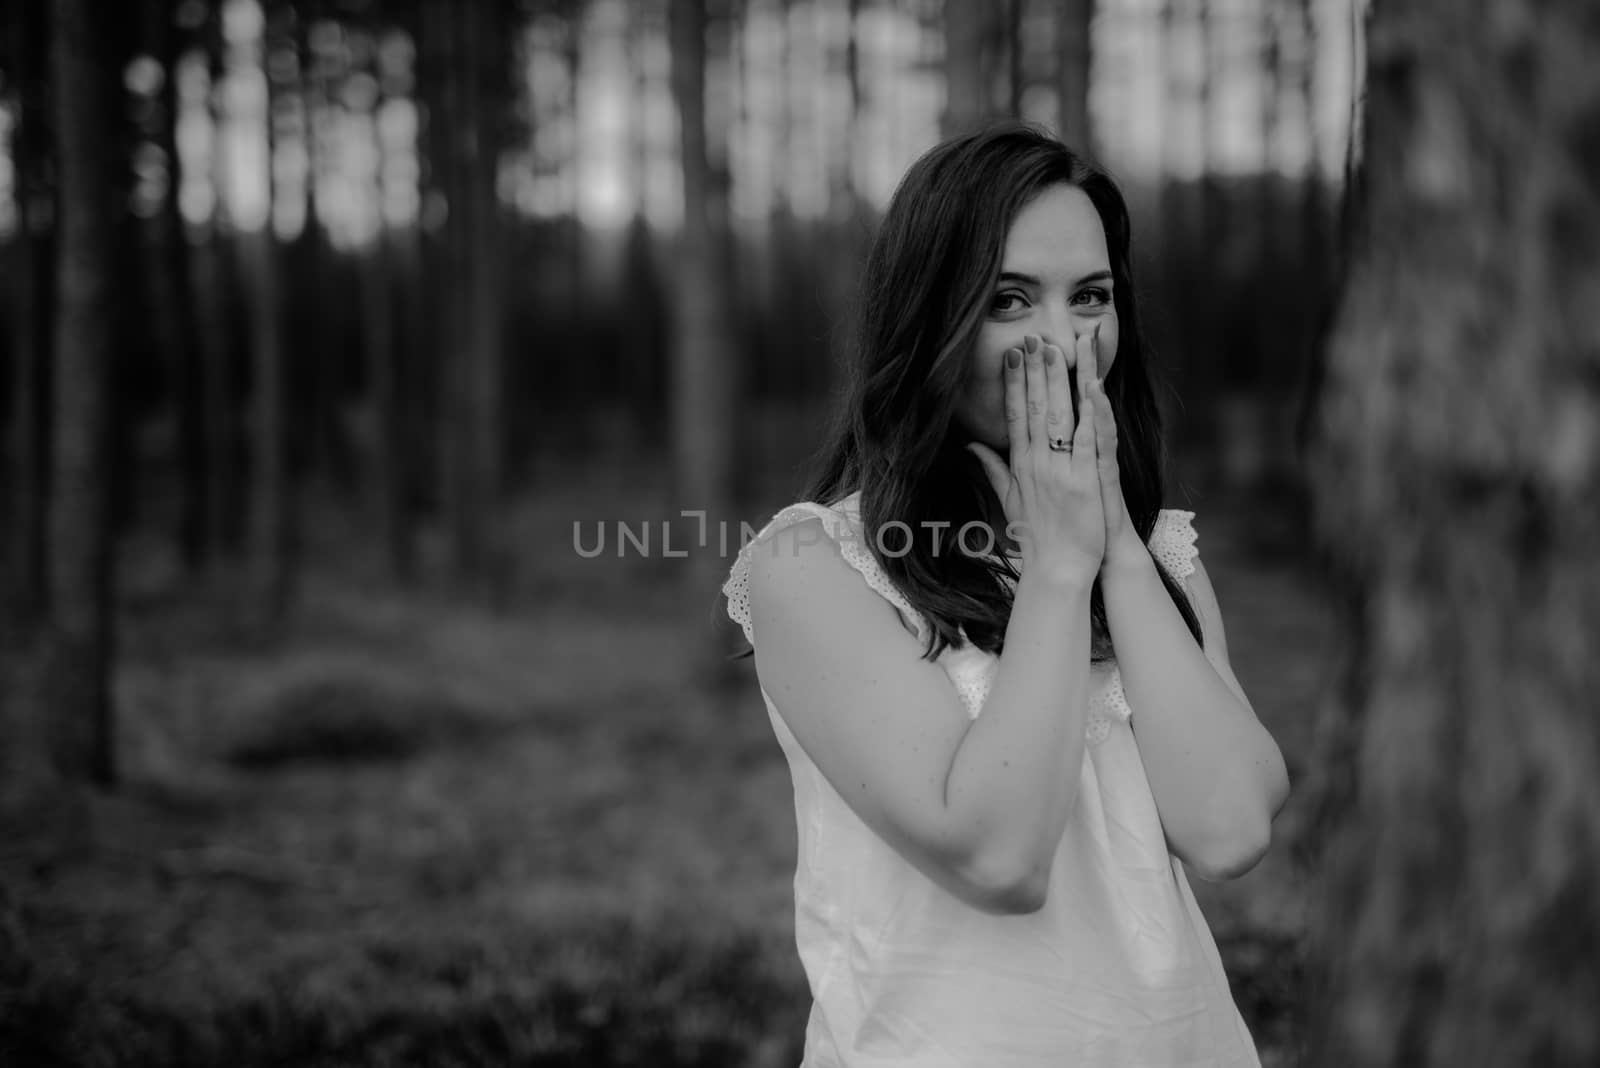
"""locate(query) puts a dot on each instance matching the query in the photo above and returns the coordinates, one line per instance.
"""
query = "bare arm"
(977, 805)
(1217, 776)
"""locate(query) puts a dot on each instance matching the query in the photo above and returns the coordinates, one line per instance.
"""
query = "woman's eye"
(1009, 301)
(1096, 296)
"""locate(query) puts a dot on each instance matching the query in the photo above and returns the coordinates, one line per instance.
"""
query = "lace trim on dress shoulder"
(973, 675)
(1172, 542)
(841, 525)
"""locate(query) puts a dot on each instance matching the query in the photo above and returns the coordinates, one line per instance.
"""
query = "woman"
(1011, 738)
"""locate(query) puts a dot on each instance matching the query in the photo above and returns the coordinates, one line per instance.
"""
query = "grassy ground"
(404, 831)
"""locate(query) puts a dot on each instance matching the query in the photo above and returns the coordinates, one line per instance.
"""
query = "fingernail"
(1013, 358)
(1032, 342)
(1049, 356)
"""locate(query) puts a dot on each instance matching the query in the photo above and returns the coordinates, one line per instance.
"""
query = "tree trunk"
(1074, 19)
(1312, 206)
(1212, 364)
(1456, 475)
(259, 257)
(382, 282)
(703, 391)
(464, 68)
(643, 344)
(30, 260)
(74, 690)
(325, 363)
(165, 269)
(1016, 65)
(209, 283)
(975, 48)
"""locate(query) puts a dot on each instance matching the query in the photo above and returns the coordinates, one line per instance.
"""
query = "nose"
(1060, 329)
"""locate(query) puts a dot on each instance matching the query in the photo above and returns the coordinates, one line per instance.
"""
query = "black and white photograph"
(799, 534)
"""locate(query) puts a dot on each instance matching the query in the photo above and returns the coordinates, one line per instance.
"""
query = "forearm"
(1014, 778)
(1213, 769)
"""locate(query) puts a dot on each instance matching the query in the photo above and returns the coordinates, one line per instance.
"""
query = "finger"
(1083, 438)
(1105, 429)
(994, 467)
(1058, 419)
(1083, 346)
(1016, 405)
(1033, 363)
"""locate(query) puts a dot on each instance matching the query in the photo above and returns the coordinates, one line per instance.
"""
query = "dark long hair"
(925, 294)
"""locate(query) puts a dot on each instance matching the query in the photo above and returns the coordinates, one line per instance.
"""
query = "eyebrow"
(1030, 280)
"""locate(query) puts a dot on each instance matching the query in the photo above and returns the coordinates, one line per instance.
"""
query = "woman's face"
(1055, 282)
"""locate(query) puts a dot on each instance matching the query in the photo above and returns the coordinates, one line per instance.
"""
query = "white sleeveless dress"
(1117, 969)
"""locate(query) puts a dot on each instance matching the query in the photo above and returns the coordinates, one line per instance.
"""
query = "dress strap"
(843, 528)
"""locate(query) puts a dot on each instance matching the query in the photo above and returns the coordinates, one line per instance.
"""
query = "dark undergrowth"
(406, 832)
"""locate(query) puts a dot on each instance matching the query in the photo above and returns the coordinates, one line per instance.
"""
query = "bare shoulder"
(799, 577)
(784, 561)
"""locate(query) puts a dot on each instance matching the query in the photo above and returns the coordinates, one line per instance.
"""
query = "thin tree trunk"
(387, 446)
(643, 346)
(325, 365)
(461, 61)
(377, 281)
(780, 247)
(1074, 19)
(259, 256)
(210, 285)
(208, 271)
(1271, 133)
(166, 261)
(30, 260)
(1313, 204)
(456, 350)
(1179, 231)
(485, 70)
(703, 390)
(844, 252)
(75, 690)
(1456, 476)
(268, 521)
(28, 257)
(411, 417)
(975, 46)
(437, 366)
(1016, 57)
(1204, 388)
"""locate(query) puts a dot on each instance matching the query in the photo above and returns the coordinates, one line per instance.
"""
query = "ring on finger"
(1060, 444)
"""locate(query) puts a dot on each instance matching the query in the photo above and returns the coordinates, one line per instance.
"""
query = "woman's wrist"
(1061, 573)
(1125, 555)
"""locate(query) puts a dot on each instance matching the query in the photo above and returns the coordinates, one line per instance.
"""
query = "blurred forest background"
(328, 324)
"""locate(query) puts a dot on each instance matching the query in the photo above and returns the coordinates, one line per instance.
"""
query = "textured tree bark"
(486, 74)
(29, 259)
(702, 387)
(976, 37)
(463, 62)
(166, 259)
(1456, 471)
(260, 266)
(1074, 19)
(72, 692)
